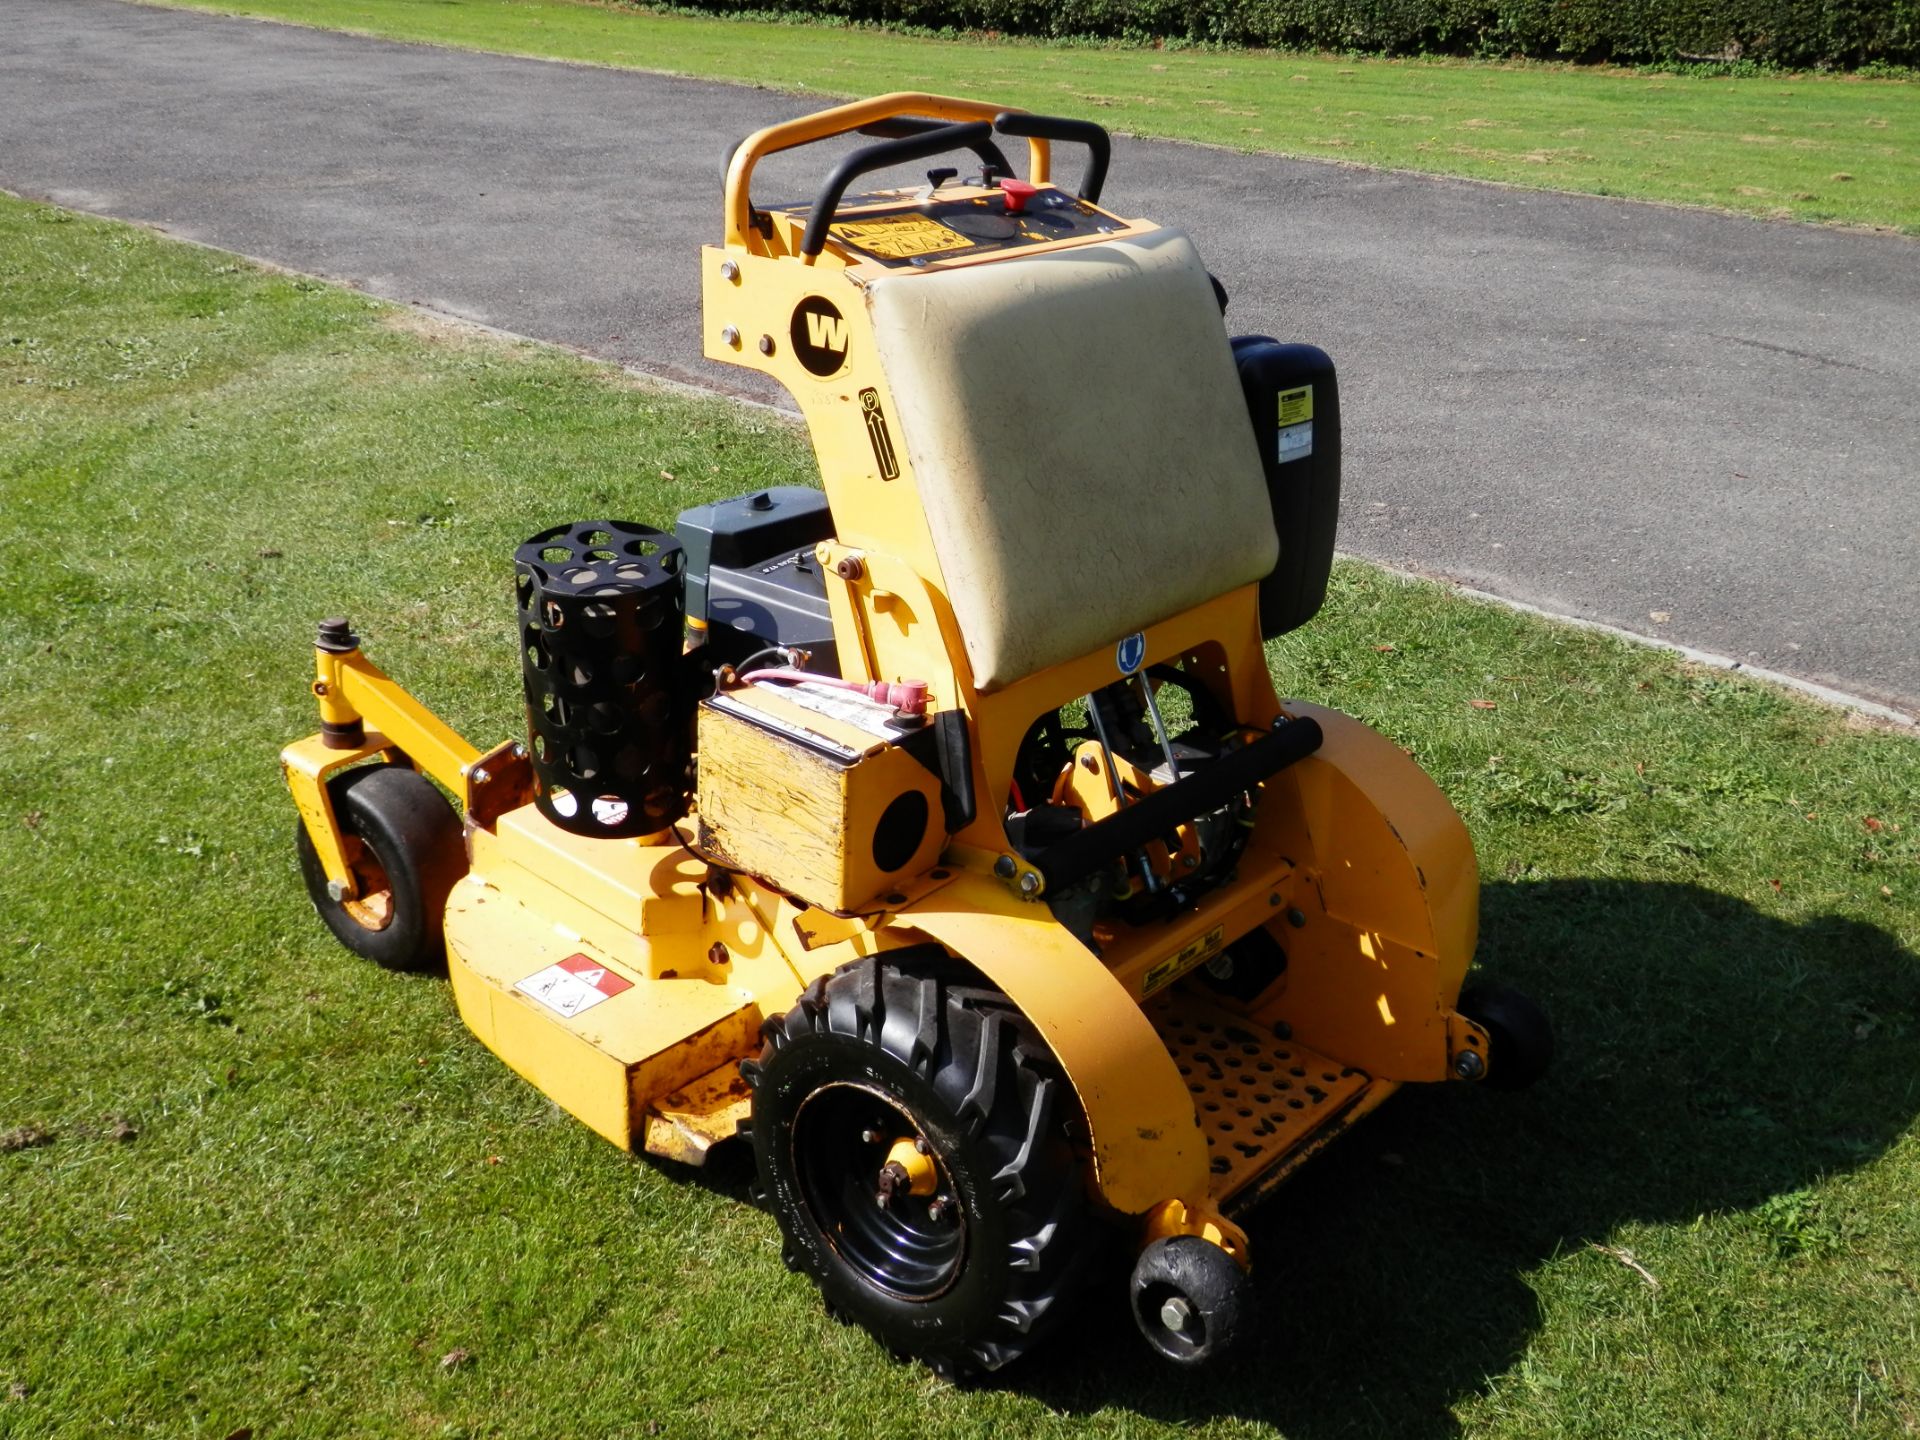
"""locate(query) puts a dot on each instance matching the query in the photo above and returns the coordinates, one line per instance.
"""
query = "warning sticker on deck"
(577, 983)
(900, 237)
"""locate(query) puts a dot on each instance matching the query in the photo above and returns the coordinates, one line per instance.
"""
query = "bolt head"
(336, 890)
(1175, 1314)
(1029, 883)
(1295, 916)
(730, 335)
(729, 270)
(482, 775)
(1004, 867)
(1468, 1065)
(766, 344)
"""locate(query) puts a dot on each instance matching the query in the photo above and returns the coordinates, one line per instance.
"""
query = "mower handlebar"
(911, 127)
(842, 120)
(888, 153)
(898, 127)
(1028, 126)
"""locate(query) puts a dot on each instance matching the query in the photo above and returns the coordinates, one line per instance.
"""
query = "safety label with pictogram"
(577, 983)
(1296, 424)
(900, 237)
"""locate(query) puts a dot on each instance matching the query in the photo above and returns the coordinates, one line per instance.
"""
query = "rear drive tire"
(1519, 1035)
(970, 1272)
(404, 845)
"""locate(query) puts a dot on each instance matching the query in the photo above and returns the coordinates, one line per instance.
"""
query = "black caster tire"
(1519, 1035)
(407, 852)
(1189, 1297)
(970, 1267)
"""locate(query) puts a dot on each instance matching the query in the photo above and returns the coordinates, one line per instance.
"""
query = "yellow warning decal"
(1296, 406)
(899, 237)
(1189, 955)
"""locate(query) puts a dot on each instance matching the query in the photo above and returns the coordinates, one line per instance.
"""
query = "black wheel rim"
(913, 1247)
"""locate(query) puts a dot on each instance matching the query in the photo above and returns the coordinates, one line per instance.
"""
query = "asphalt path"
(1689, 425)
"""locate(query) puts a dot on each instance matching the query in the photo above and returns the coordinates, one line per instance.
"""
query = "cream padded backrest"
(1076, 427)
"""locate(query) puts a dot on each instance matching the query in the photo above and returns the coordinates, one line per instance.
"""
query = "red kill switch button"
(1018, 192)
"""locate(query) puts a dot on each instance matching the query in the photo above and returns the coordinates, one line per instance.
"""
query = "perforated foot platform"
(1263, 1103)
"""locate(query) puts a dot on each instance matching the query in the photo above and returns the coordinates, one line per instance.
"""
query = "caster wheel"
(405, 848)
(1188, 1298)
(1519, 1035)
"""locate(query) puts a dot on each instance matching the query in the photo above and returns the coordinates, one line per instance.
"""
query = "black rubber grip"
(1022, 125)
(1152, 817)
(898, 127)
(966, 135)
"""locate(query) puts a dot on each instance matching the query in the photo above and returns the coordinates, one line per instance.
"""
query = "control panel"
(894, 230)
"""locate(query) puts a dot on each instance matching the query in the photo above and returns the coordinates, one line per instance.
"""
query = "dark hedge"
(1792, 33)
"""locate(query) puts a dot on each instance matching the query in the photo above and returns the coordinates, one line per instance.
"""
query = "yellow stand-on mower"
(943, 832)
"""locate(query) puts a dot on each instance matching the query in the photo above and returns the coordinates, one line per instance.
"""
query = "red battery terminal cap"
(908, 697)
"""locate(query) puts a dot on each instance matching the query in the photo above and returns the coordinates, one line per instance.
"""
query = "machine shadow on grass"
(1710, 1056)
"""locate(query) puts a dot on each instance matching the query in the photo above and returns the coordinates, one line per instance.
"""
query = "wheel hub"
(876, 1190)
(372, 906)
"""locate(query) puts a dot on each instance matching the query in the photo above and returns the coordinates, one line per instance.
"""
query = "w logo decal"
(827, 332)
(819, 336)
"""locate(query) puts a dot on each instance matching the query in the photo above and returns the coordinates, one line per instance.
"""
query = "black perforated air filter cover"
(609, 708)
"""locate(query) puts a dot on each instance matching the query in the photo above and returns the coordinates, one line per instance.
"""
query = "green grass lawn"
(250, 1183)
(1805, 147)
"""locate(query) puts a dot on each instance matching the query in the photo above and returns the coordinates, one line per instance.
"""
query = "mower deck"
(639, 1014)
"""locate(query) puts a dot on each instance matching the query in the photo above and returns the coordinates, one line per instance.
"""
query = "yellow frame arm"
(363, 714)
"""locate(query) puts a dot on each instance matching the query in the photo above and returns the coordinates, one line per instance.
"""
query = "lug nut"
(894, 1180)
(1175, 1314)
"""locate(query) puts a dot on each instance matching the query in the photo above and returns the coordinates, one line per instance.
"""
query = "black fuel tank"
(1293, 399)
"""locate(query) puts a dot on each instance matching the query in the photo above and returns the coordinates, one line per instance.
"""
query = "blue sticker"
(1130, 652)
